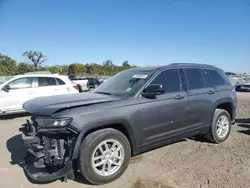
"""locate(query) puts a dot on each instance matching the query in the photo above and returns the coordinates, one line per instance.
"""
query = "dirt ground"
(191, 163)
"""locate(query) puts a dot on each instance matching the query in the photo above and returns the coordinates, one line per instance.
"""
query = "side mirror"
(152, 90)
(6, 88)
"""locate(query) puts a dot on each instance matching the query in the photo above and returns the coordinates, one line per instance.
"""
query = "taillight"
(76, 87)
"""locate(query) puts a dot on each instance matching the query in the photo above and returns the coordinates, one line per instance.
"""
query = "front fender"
(100, 125)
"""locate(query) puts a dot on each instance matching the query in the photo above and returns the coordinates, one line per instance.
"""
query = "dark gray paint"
(149, 122)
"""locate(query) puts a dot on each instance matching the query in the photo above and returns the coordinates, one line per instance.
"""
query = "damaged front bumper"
(49, 152)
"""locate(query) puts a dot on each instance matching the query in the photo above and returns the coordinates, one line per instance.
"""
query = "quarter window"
(21, 83)
(215, 78)
(60, 82)
(169, 79)
(196, 78)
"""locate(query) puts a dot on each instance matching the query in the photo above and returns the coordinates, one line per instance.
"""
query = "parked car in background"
(238, 83)
(104, 79)
(83, 84)
(134, 111)
(246, 85)
(92, 81)
(16, 90)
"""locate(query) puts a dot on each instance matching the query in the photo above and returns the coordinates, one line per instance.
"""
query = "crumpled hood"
(51, 104)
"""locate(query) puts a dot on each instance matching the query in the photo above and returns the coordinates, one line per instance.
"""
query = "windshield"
(125, 82)
(4, 79)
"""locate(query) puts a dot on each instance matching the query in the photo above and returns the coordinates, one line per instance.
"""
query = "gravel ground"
(191, 163)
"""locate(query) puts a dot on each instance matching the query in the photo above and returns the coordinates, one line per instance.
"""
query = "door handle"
(178, 97)
(211, 92)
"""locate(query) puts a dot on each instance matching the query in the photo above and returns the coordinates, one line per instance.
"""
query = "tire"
(88, 149)
(213, 134)
(80, 88)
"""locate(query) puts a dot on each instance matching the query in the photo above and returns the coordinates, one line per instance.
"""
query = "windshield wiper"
(105, 93)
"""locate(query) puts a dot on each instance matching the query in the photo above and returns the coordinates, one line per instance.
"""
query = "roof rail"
(199, 64)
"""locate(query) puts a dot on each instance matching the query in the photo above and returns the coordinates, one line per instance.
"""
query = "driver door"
(20, 91)
(165, 115)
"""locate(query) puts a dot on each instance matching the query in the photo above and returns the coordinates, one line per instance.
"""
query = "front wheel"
(221, 126)
(104, 156)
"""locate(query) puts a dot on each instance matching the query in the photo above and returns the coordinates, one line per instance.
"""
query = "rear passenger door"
(200, 98)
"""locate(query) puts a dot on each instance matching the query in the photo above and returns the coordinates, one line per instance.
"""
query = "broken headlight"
(48, 122)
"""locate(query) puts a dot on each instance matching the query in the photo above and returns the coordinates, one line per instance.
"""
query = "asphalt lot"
(190, 163)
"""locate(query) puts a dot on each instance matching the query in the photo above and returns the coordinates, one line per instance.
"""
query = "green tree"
(108, 67)
(7, 65)
(76, 69)
(54, 69)
(126, 65)
(37, 58)
(23, 68)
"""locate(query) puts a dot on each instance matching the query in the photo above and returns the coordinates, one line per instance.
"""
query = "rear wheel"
(221, 126)
(104, 156)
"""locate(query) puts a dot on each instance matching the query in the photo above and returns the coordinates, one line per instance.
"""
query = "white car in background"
(18, 89)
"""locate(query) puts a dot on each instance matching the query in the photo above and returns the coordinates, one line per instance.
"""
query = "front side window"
(169, 79)
(46, 81)
(21, 83)
(196, 78)
(215, 78)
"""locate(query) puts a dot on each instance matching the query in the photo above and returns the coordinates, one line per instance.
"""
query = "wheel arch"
(120, 125)
(226, 104)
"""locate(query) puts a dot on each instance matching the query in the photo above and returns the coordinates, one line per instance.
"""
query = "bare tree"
(37, 58)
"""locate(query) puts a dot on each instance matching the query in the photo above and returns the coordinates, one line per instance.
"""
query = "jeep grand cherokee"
(134, 111)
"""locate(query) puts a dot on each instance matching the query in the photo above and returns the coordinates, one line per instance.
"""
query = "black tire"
(80, 88)
(87, 148)
(212, 135)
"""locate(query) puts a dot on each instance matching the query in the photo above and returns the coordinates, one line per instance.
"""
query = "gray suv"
(134, 111)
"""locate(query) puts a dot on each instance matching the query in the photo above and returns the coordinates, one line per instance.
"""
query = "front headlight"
(47, 122)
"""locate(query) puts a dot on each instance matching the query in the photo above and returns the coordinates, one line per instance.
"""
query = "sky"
(143, 32)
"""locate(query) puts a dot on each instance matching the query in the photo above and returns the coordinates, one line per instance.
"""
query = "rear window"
(196, 78)
(215, 78)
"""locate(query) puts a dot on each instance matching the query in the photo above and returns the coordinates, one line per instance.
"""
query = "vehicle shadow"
(245, 120)
(13, 116)
(16, 147)
(199, 138)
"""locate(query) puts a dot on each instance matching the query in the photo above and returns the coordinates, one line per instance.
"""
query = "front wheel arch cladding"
(91, 128)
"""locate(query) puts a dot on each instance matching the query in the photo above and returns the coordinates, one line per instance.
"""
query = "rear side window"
(215, 78)
(60, 82)
(46, 81)
(169, 79)
(196, 79)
